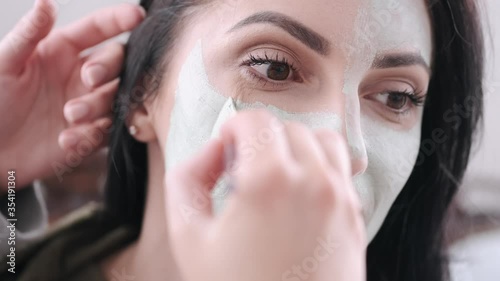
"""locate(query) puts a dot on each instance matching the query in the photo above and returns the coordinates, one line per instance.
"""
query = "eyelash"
(254, 60)
(416, 98)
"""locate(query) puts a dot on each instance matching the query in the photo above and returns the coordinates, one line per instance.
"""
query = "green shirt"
(72, 250)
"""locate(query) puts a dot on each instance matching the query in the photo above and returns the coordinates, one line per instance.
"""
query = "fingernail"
(94, 75)
(48, 4)
(68, 140)
(76, 111)
(143, 11)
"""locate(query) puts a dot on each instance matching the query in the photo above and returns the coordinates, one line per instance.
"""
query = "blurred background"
(473, 230)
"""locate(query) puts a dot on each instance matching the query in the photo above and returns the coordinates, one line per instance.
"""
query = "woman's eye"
(276, 71)
(276, 68)
(395, 101)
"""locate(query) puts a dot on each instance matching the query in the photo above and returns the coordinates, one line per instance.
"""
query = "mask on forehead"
(199, 110)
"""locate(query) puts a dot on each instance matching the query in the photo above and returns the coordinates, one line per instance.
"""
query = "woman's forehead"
(379, 25)
(399, 24)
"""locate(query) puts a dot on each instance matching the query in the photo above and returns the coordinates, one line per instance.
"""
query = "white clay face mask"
(199, 110)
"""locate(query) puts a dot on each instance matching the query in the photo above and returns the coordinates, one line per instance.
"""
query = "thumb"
(188, 187)
(18, 45)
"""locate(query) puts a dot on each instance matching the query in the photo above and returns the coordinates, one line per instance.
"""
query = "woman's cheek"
(392, 154)
(196, 108)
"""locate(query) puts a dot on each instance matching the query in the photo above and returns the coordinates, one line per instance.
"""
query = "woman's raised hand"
(293, 213)
(50, 94)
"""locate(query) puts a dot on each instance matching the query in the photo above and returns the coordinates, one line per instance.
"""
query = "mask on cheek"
(391, 157)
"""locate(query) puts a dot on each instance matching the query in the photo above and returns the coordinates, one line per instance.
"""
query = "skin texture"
(352, 84)
(42, 76)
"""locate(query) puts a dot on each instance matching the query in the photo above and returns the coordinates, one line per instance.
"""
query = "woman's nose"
(354, 135)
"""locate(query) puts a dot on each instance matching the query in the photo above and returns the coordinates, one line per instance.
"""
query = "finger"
(103, 25)
(304, 145)
(188, 187)
(87, 138)
(257, 136)
(18, 46)
(335, 149)
(103, 65)
(92, 106)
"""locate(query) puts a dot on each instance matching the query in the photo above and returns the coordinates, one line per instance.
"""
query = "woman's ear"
(140, 124)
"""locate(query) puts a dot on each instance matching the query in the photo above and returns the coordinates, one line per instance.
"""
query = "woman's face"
(359, 67)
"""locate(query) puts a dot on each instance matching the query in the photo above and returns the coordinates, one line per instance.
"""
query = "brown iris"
(278, 71)
(397, 101)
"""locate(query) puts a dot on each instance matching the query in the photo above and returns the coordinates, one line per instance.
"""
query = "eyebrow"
(302, 33)
(399, 60)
